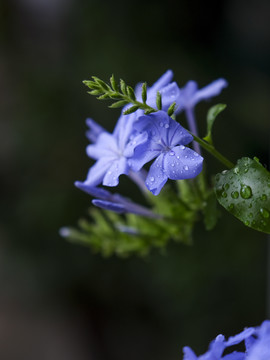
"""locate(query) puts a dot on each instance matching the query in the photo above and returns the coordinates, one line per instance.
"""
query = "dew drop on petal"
(171, 153)
(152, 178)
(182, 147)
(166, 126)
(178, 157)
(172, 164)
(186, 167)
(161, 124)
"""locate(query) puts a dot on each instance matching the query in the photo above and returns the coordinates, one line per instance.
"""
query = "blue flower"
(113, 151)
(114, 202)
(166, 142)
(257, 344)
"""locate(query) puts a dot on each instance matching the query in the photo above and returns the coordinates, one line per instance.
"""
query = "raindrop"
(246, 192)
(247, 222)
(231, 206)
(182, 147)
(263, 197)
(166, 126)
(178, 157)
(246, 170)
(172, 164)
(250, 215)
(196, 154)
(224, 172)
(235, 194)
(250, 205)
(109, 172)
(264, 213)
(152, 178)
(224, 194)
(236, 170)
(226, 186)
(186, 167)
(161, 124)
(172, 153)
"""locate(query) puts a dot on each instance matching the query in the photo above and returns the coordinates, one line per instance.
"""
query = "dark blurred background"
(60, 301)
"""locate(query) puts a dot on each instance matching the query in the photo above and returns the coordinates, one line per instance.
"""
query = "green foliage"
(126, 95)
(244, 191)
(211, 117)
(109, 233)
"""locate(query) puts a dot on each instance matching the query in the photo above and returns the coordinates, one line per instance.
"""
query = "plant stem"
(210, 148)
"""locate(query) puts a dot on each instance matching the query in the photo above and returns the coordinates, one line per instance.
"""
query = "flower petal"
(94, 130)
(93, 191)
(156, 177)
(105, 146)
(143, 154)
(189, 354)
(162, 81)
(209, 91)
(182, 163)
(233, 340)
(97, 172)
(108, 205)
(117, 168)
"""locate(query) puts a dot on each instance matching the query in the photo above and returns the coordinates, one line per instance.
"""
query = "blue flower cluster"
(138, 139)
(257, 346)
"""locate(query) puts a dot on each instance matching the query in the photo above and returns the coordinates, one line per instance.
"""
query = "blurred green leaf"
(211, 117)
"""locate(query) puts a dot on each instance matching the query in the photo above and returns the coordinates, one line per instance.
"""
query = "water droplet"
(224, 172)
(246, 192)
(235, 194)
(226, 186)
(152, 178)
(178, 157)
(172, 164)
(264, 197)
(224, 194)
(166, 126)
(186, 167)
(253, 222)
(172, 153)
(250, 205)
(161, 124)
(246, 170)
(250, 215)
(264, 213)
(182, 147)
(109, 172)
(247, 222)
(196, 154)
(236, 170)
(263, 223)
(231, 206)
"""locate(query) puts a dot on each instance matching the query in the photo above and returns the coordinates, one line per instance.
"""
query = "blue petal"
(134, 142)
(186, 95)
(143, 154)
(105, 146)
(124, 129)
(235, 356)
(156, 177)
(94, 130)
(233, 340)
(108, 205)
(117, 168)
(182, 163)
(210, 90)
(189, 354)
(93, 191)
(162, 81)
(97, 171)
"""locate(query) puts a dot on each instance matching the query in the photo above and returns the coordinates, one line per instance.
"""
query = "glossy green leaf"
(245, 192)
(211, 117)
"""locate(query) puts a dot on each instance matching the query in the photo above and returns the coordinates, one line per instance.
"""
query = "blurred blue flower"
(166, 140)
(257, 346)
(114, 202)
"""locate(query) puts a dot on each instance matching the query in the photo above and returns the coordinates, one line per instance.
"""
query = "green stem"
(210, 148)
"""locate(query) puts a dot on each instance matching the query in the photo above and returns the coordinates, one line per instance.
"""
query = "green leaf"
(211, 117)
(148, 111)
(144, 92)
(131, 93)
(113, 83)
(123, 87)
(244, 191)
(118, 104)
(159, 101)
(131, 110)
(171, 109)
(91, 84)
(102, 84)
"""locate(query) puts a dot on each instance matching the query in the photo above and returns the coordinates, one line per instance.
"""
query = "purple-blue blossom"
(256, 340)
(114, 202)
(166, 142)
